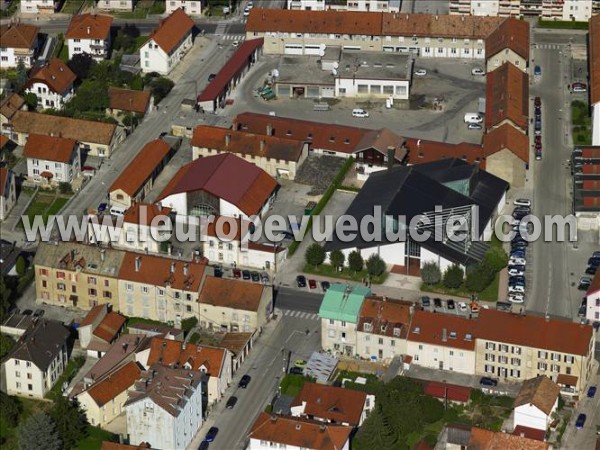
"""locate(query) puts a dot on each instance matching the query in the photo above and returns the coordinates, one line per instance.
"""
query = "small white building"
(116, 5)
(37, 360)
(167, 44)
(8, 192)
(52, 159)
(39, 6)
(594, 64)
(191, 7)
(536, 403)
(19, 43)
(89, 33)
(165, 407)
(52, 84)
(592, 312)
(352, 5)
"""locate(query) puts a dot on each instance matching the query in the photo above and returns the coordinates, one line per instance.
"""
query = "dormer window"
(417, 330)
(396, 331)
(453, 335)
(383, 328)
(367, 327)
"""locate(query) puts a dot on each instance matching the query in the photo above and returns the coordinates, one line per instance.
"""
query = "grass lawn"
(326, 270)
(291, 384)
(94, 439)
(582, 123)
(71, 370)
(74, 6)
(44, 205)
(133, 320)
(139, 41)
(64, 53)
(563, 24)
(8, 434)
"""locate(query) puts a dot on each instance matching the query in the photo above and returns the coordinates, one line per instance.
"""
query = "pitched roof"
(451, 392)
(160, 271)
(213, 174)
(297, 432)
(11, 104)
(343, 302)
(92, 315)
(135, 175)
(554, 334)
(80, 130)
(506, 137)
(384, 316)
(442, 330)
(18, 35)
(540, 392)
(442, 25)
(383, 140)
(49, 148)
(168, 352)
(3, 176)
(594, 58)
(171, 30)
(55, 74)
(41, 344)
(496, 440)
(347, 22)
(530, 433)
(168, 388)
(512, 34)
(89, 26)
(424, 151)
(231, 293)
(244, 143)
(128, 100)
(120, 352)
(144, 213)
(335, 404)
(507, 97)
(116, 382)
(109, 328)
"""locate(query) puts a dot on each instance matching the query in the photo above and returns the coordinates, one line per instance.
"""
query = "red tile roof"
(554, 335)
(214, 174)
(172, 353)
(18, 35)
(594, 58)
(116, 446)
(10, 105)
(330, 403)
(512, 34)
(137, 173)
(384, 316)
(89, 26)
(245, 143)
(172, 30)
(144, 214)
(156, 271)
(530, 433)
(507, 97)
(234, 66)
(118, 381)
(451, 392)
(424, 151)
(540, 392)
(428, 328)
(231, 293)
(128, 100)
(3, 176)
(49, 148)
(297, 432)
(108, 329)
(496, 440)
(56, 75)
(442, 25)
(507, 137)
(92, 315)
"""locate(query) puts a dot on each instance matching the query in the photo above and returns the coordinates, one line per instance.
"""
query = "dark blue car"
(591, 391)
(580, 422)
(212, 434)
(537, 70)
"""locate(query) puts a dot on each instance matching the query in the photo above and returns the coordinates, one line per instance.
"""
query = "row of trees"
(315, 256)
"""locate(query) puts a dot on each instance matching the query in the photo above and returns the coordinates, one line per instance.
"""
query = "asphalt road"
(298, 300)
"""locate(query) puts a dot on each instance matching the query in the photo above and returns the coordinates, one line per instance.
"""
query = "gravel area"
(319, 171)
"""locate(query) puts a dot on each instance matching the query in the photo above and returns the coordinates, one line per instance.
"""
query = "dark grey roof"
(41, 344)
(414, 190)
(8, 256)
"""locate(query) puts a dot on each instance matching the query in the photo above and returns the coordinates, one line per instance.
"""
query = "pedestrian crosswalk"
(233, 37)
(300, 315)
(220, 30)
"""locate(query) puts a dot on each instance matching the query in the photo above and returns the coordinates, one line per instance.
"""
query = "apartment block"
(575, 10)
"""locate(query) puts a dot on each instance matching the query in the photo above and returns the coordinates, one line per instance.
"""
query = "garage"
(293, 49)
(328, 92)
(312, 49)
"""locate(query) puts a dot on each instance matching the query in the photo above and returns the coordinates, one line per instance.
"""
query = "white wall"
(77, 46)
(177, 202)
(37, 6)
(19, 376)
(484, 7)
(400, 88)
(10, 60)
(431, 356)
(117, 5)
(593, 307)
(313, 5)
(257, 444)
(428, 256)
(61, 171)
(47, 98)
(579, 10)
(191, 7)
(530, 416)
(596, 124)
(154, 59)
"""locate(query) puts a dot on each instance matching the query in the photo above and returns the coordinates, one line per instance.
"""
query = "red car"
(537, 101)
(312, 284)
(538, 146)
(237, 273)
(538, 140)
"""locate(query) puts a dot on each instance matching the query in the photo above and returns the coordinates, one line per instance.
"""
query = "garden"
(481, 279)
(45, 204)
(582, 123)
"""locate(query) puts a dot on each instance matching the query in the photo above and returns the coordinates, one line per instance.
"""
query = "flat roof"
(303, 70)
(375, 65)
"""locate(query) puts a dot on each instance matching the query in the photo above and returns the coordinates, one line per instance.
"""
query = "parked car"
(420, 72)
(301, 281)
(578, 87)
(524, 202)
(244, 381)
(450, 303)
(27, 312)
(591, 392)
(237, 273)
(584, 283)
(246, 275)
(425, 302)
(516, 298)
(325, 285)
(477, 71)
(212, 76)
(487, 381)
(516, 270)
(264, 277)
(296, 370)
(503, 306)
(474, 126)
(212, 434)
(300, 363)
(537, 71)
(591, 270)
(462, 306)
(580, 422)
(437, 302)
(102, 207)
(235, 43)
(516, 289)
(246, 12)
(473, 118)
(357, 112)
(537, 102)
(204, 445)
(255, 277)
(474, 307)
(231, 402)
(39, 313)
(312, 284)
(538, 155)
(516, 279)
(517, 262)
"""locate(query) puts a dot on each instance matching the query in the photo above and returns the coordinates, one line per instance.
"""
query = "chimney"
(186, 269)
(183, 346)
(262, 145)
(88, 30)
(391, 156)
(269, 129)
(444, 335)
(173, 267)
(547, 318)
(102, 254)
(227, 140)
(138, 263)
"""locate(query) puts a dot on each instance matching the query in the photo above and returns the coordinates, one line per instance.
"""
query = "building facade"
(89, 34)
(567, 10)
(52, 84)
(19, 44)
(191, 7)
(116, 5)
(52, 160)
(39, 6)
(8, 192)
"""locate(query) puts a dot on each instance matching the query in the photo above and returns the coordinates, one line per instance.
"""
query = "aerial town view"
(299, 224)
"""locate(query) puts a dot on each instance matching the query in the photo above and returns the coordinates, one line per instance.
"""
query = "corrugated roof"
(89, 26)
(540, 392)
(214, 174)
(231, 293)
(172, 30)
(343, 302)
(594, 58)
(507, 97)
(18, 35)
(49, 148)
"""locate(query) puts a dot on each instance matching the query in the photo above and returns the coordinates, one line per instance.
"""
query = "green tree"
(431, 273)
(70, 421)
(10, 408)
(496, 258)
(5, 298)
(81, 64)
(315, 255)
(21, 265)
(337, 258)
(355, 261)
(188, 324)
(375, 265)
(21, 78)
(39, 431)
(6, 344)
(479, 277)
(65, 187)
(92, 95)
(453, 277)
(160, 88)
(31, 100)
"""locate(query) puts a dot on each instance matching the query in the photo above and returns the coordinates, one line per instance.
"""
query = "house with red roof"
(19, 43)
(594, 65)
(89, 34)
(100, 328)
(167, 44)
(52, 159)
(593, 299)
(52, 84)
(536, 404)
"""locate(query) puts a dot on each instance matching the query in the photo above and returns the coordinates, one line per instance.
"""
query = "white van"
(359, 113)
(473, 118)
(117, 210)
